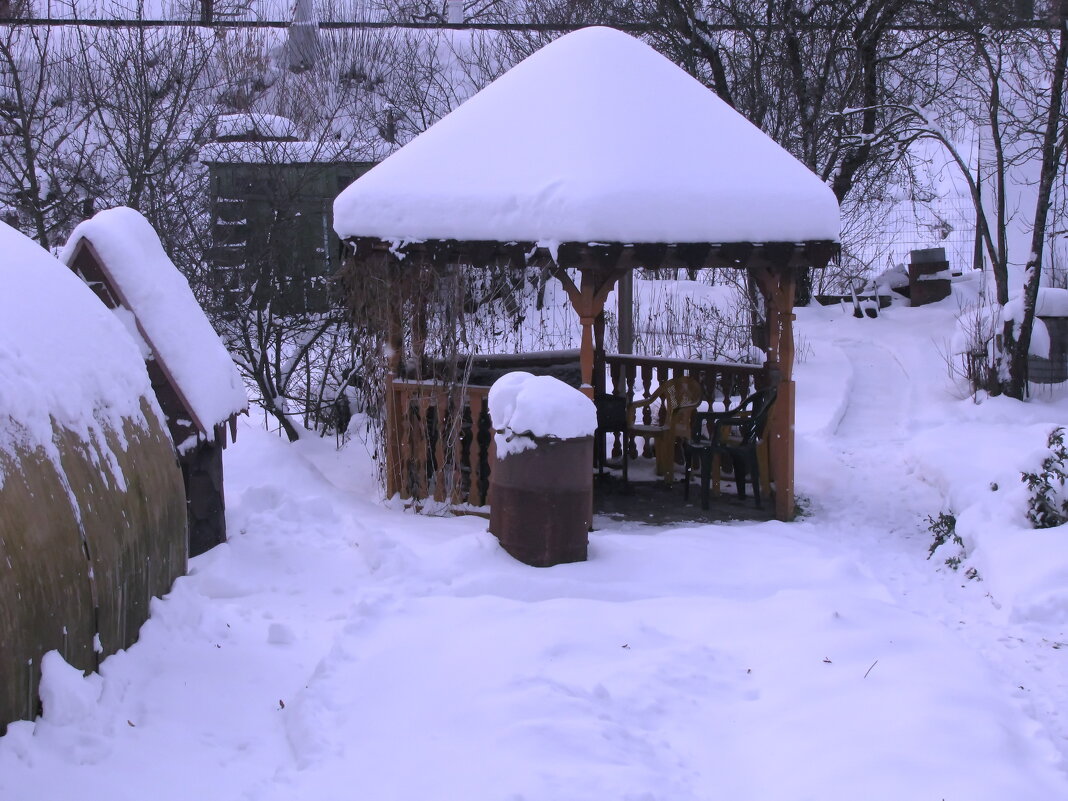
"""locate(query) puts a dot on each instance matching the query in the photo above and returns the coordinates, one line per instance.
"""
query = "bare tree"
(291, 343)
(147, 92)
(47, 173)
(792, 68)
(1006, 84)
(1049, 111)
(442, 11)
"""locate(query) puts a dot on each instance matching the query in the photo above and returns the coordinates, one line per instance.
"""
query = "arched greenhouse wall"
(84, 546)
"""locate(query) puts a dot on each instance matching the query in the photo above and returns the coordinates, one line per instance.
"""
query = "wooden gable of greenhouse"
(193, 378)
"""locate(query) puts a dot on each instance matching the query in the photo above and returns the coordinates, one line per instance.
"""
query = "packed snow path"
(339, 649)
(880, 488)
(877, 405)
(890, 500)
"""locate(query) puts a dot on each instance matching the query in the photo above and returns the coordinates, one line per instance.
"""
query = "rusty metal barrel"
(542, 501)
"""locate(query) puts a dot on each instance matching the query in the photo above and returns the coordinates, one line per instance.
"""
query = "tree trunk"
(1053, 144)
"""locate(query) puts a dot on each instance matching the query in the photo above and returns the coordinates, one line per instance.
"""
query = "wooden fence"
(639, 375)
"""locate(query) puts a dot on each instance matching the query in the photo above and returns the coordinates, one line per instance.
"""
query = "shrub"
(944, 529)
(1044, 508)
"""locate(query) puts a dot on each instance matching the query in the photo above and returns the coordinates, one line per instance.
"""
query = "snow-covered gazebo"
(598, 155)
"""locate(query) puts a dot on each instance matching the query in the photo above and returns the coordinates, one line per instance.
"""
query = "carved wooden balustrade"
(439, 438)
(638, 376)
(439, 442)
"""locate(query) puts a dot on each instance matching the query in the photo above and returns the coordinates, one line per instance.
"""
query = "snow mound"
(596, 137)
(1052, 302)
(523, 406)
(67, 696)
(170, 320)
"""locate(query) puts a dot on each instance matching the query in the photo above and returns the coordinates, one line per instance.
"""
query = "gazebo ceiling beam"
(652, 255)
(607, 256)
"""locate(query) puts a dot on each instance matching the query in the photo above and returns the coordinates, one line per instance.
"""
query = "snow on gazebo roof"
(594, 138)
(168, 318)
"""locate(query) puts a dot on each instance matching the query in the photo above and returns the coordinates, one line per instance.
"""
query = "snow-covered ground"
(337, 648)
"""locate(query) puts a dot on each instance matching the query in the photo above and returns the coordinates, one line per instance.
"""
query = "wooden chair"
(678, 397)
(737, 433)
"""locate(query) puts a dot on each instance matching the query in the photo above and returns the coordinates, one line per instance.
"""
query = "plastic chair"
(737, 433)
(611, 419)
(678, 397)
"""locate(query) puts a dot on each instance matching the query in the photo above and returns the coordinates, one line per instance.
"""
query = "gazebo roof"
(594, 138)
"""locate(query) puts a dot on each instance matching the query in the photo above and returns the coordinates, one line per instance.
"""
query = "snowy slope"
(336, 648)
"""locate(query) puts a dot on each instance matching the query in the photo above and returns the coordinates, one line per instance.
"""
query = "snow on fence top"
(275, 152)
(170, 320)
(255, 125)
(63, 356)
(1052, 302)
(596, 137)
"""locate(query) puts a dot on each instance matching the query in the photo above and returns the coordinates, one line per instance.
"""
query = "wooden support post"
(391, 434)
(625, 311)
(782, 453)
(418, 340)
(778, 285)
(599, 382)
(587, 299)
(396, 412)
(586, 354)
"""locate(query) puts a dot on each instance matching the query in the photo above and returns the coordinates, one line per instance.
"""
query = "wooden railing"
(439, 443)
(637, 376)
(634, 377)
(439, 438)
